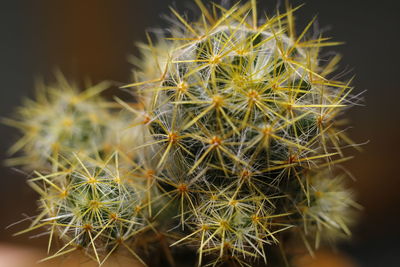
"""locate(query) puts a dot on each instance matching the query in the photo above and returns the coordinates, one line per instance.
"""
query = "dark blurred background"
(92, 38)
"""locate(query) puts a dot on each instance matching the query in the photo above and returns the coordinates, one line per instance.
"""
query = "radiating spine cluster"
(231, 150)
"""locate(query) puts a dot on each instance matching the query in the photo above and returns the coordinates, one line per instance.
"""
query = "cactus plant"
(63, 120)
(231, 152)
(249, 112)
(91, 205)
(60, 119)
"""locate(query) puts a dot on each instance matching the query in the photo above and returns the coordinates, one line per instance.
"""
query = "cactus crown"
(232, 150)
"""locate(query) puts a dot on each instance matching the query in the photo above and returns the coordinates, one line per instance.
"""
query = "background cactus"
(231, 150)
(63, 120)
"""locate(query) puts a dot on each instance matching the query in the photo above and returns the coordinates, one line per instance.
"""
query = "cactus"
(229, 154)
(249, 114)
(90, 204)
(62, 120)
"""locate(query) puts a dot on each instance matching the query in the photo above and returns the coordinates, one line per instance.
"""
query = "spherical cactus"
(91, 205)
(60, 119)
(330, 210)
(245, 109)
(63, 120)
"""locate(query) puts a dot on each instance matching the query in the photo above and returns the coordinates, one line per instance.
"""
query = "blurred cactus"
(63, 120)
(331, 208)
(60, 119)
(230, 152)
